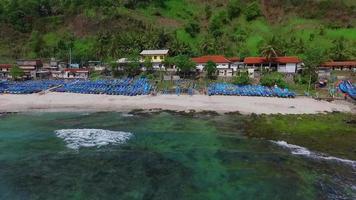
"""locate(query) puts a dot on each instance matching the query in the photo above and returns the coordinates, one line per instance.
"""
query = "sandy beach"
(69, 102)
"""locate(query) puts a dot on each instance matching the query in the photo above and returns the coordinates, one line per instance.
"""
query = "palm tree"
(269, 50)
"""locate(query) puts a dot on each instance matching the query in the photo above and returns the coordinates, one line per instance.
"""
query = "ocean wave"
(76, 138)
(127, 115)
(302, 151)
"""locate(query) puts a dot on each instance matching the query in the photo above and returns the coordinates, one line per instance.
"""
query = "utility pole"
(70, 57)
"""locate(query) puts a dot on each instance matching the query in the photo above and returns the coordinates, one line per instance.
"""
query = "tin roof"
(154, 52)
(213, 58)
(339, 64)
(261, 60)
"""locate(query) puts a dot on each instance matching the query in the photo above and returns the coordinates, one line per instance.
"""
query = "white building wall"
(200, 67)
(222, 65)
(287, 68)
(281, 68)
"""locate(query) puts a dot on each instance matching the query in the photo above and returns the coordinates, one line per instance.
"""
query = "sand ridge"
(70, 102)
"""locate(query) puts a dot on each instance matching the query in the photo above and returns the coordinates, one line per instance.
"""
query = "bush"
(234, 8)
(252, 11)
(192, 28)
(16, 72)
(242, 79)
(95, 75)
(272, 79)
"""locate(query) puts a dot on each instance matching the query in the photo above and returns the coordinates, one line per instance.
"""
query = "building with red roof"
(286, 64)
(223, 64)
(341, 65)
(324, 71)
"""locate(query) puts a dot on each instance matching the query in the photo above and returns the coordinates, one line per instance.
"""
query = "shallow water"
(162, 156)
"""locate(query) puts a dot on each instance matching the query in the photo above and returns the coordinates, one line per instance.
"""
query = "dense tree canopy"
(106, 29)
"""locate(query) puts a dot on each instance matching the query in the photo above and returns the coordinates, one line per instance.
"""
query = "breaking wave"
(76, 138)
(302, 151)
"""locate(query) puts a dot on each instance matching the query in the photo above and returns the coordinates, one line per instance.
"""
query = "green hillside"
(108, 29)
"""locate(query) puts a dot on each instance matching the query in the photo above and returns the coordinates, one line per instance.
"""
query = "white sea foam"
(127, 115)
(76, 138)
(302, 151)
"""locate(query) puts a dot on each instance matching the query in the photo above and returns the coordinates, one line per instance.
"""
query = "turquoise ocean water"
(164, 156)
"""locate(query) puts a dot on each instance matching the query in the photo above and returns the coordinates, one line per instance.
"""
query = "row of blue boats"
(347, 88)
(127, 86)
(28, 87)
(141, 86)
(248, 90)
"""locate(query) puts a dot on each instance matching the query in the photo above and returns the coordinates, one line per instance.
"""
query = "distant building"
(287, 65)
(236, 64)
(96, 65)
(5, 71)
(51, 65)
(222, 64)
(324, 71)
(30, 67)
(157, 57)
(339, 65)
(71, 73)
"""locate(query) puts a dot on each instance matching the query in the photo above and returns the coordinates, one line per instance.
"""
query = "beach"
(70, 102)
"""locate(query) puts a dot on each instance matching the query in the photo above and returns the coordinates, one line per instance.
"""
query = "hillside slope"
(108, 29)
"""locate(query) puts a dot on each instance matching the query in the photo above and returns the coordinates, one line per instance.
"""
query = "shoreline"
(72, 102)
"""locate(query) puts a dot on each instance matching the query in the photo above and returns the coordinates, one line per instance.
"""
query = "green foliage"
(272, 79)
(192, 28)
(242, 79)
(340, 50)
(252, 11)
(16, 72)
(217, 22)
(133, 66)
(113, 29)
(313, 57)
(234, 8)
(148, 65)
(184, 63)
(208, 11)
(95, 75)
(210, 68)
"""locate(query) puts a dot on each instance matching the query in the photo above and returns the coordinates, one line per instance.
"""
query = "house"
(157, 57)
(51, 65)
(324, 71)
(96, 65)
(75, 73)
(222, 64)
(339, 65)
(287, 64)
(236, 64)
(30, 67)
(5, 71)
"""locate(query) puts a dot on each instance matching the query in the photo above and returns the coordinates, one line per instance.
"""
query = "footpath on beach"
(72, 102)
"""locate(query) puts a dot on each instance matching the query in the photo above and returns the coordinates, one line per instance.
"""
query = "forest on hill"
(108, 29)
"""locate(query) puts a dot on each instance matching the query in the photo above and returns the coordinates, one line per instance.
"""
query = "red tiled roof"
(5, 66)
(261, 60)
(254, 60)
(234, 59)
(74, 70)
(213, 58)
(288, 59)
(351, 63)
